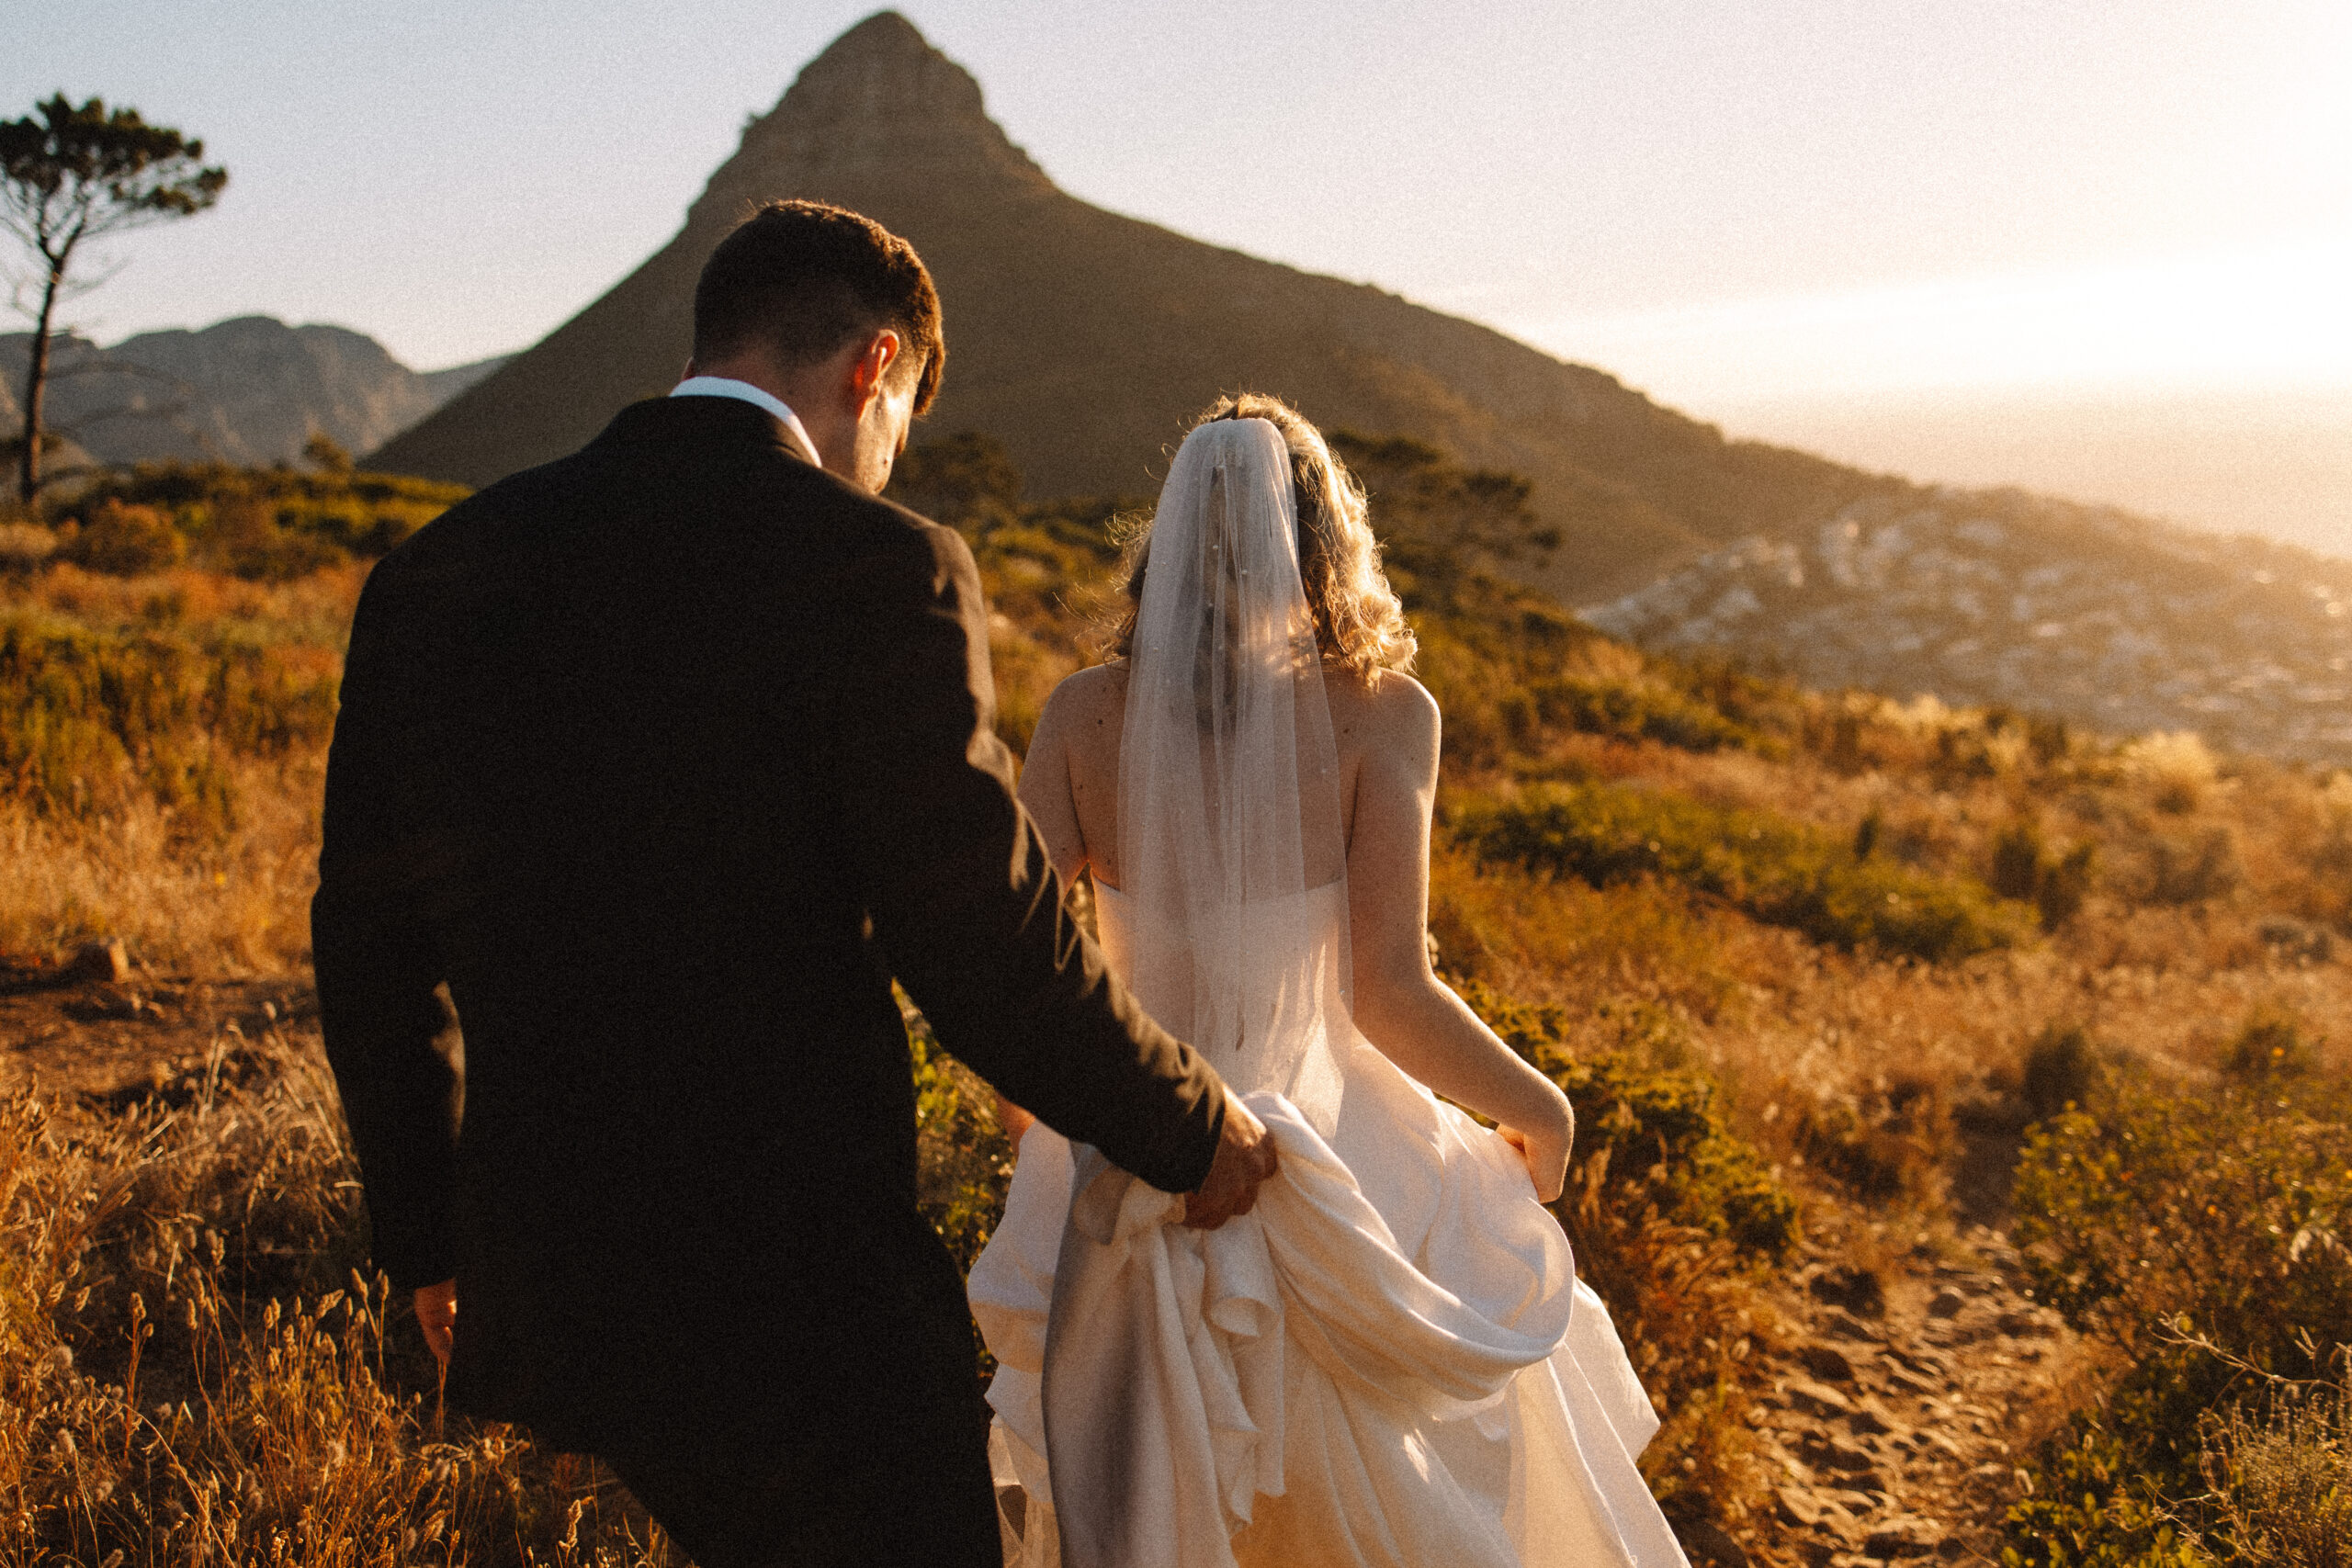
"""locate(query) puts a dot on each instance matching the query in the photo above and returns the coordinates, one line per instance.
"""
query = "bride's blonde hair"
(1359, 624)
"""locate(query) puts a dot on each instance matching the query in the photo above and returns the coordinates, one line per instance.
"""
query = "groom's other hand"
(436, 1314)
(1244, 1158)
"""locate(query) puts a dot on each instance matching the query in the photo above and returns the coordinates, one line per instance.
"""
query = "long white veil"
(1229, 782)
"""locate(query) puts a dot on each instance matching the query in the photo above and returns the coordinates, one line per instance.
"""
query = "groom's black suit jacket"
(666, 757)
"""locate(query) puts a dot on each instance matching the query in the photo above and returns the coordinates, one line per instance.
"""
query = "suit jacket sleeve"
(964, 900)
(377, 968)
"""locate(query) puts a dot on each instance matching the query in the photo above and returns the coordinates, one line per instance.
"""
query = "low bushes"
(2200, 1231)
(89, 719)
(266, 524)
(1640, 710)
(1776, 870)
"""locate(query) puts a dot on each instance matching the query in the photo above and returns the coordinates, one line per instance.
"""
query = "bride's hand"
(1545, 1150)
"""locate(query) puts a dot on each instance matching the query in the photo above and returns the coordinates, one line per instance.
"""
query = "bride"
(1390, 1360)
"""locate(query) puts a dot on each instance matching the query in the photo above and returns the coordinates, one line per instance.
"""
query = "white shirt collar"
(727, 387)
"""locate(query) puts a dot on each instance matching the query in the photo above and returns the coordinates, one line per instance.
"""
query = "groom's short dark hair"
(801, 278)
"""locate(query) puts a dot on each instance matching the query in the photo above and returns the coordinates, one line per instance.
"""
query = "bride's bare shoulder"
(1093, 699)
(1384, 710)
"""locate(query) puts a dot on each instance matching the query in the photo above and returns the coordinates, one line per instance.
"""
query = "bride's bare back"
(1387, 730)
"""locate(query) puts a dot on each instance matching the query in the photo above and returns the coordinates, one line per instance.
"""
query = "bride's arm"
(1413, 1017)
(1045, 795)
(1045, 788)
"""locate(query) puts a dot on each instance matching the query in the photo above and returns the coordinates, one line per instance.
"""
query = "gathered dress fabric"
(1389, 1362)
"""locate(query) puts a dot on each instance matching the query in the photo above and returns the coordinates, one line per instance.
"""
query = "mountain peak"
(886, 35)
(880, 102)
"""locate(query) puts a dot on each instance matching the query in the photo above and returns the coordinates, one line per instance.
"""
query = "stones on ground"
(1846, 1457)
(1869, 1420)
(1920, 1360)
(1856, 1290)
(1704, 1541)
(106, 962)
(1904, 1537)
(1840, 1322)
(1826, 1362)
(1948, 1303)
(1795, 1505)
(1817, 1399)
(1901, 1377)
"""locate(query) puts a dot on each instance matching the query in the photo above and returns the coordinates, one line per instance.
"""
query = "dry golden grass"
(236, 905)
(208, 877)
(196, 1373)
(314, 610)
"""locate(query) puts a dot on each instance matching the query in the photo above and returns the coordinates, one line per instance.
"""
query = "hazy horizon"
(1888, 235)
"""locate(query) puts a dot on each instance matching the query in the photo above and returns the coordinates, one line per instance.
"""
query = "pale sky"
(1746, 209)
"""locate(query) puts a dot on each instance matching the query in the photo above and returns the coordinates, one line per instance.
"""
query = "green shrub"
(2055, 885)
(2060, 1069)
(1674, 1220)
(1638, 711)
(24, 547)
(2199, 1232)
(1779, 872)
(963, 1163)
(2017, 861)
(86, 718)
(269, 523)
(2092, 1505)
(2193, 873)
(2272, 1044)
(125, 540)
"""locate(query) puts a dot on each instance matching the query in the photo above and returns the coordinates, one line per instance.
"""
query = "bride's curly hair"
(1359, 624)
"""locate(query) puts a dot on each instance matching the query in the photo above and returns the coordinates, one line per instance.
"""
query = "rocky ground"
(1903, 1404)
(102, 1030)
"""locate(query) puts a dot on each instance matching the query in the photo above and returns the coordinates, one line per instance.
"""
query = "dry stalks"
(194, 1371)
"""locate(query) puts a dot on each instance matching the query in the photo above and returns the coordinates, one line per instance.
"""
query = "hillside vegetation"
(1831, 980)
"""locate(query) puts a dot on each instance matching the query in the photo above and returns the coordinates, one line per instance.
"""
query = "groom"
(665, 758)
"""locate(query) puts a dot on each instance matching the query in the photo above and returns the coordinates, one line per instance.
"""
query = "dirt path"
(1900, 1412)
(105, 1042)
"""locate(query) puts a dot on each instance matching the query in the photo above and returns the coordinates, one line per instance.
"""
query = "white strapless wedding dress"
(1389, 1362)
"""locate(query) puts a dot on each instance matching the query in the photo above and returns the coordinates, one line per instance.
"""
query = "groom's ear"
(874, 364)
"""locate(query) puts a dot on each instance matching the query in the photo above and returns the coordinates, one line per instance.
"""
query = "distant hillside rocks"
(2002, 597)
(1083, 340)
(248, 390)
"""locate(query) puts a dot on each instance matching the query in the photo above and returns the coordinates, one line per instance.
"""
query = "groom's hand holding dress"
(1245, 1158)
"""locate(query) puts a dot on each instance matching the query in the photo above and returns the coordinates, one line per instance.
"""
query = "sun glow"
(2273, 318)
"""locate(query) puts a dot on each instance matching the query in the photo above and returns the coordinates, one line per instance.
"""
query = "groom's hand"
(436, 1314)
(1245, 1156)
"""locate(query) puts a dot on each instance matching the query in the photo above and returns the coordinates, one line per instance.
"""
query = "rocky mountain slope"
(1083, 340)
(2004, 598)
(248, 390)
(1080, 341)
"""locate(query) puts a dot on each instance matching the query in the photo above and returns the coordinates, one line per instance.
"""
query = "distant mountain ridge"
(251, 389)
(1083, 340)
